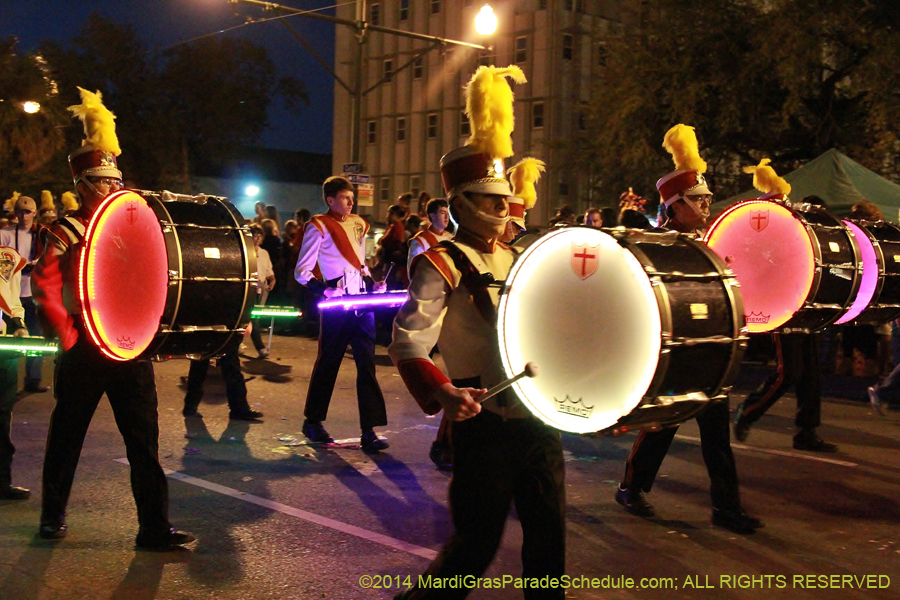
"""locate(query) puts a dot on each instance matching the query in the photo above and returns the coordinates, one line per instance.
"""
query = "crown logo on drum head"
(758, 318)
(125, 343)
(576, 408)
(585, 259)
(759, 219)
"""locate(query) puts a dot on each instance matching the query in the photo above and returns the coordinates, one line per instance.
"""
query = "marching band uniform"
(333, 250)
(424, 240)
(11, 265)
(82, 372)
(651, 447)
(502, 454)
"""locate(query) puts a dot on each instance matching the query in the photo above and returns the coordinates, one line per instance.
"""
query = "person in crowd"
(11, 266)
(83, 374)
(332, 263)
(25, 238)
(634, 219)
(686, 197)
(265, 284)
(592, 218)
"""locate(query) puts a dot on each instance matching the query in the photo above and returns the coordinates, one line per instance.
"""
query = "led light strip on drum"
(365, 301)
(27, 346)
(275, 311)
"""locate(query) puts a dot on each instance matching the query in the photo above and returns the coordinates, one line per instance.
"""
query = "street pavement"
(279, 519)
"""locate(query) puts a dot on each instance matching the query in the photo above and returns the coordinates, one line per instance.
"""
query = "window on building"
(486, 57)
(415, 185)
(388, 69)
(542, 4)
(521, 49)
(570, 5)
(568, 45)
(404, 10)
(579, 6)
(464, 127)
(401, 129)
(370, 132)
(384, 194)
(537, 115)
(431, 130)
(375, 13)
(418, 68)
(602, 55)
(435, 6)
(563, 188)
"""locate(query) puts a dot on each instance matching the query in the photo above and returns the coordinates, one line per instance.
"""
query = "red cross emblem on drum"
(585, 259)
(759, 219)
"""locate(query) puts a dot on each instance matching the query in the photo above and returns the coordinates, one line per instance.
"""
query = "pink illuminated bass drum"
(629, 329)
(878, 298)
(164, 275)
(798, 265)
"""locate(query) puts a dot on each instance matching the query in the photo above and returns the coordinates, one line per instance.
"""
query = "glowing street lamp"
(31, 107)
(486, 21)
(251, 190)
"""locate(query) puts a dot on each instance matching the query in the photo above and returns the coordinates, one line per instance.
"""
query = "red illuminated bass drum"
(798, 265)
(878, 299)
(630, 330)
(164, 276)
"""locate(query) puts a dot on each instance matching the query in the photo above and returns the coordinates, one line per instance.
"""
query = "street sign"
(358, 178)
(365, 194)
(352, 167)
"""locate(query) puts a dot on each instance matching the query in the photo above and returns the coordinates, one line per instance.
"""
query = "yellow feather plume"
(69, 201)
(523, 176)
(10, 204)
(681, 143)
(99, 122)
(489, 107)
(766, 180)
(46, 199)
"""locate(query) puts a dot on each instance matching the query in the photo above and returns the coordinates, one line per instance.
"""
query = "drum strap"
(473, 281)
(74, 228)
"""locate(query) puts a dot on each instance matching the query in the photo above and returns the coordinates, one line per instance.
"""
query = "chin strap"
(483, 215)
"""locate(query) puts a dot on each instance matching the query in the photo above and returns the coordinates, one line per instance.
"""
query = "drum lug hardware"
(173, 276)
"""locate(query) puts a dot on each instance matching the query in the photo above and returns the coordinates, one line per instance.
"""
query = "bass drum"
(629, 329)
(878, 299)
(798, 265)
(164, 275)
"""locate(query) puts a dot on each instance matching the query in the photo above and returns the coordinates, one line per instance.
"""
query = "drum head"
(771, 254)
(869, 281)
(123, 275)
(580, 306)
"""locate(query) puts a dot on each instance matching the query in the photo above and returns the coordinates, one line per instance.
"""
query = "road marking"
(830, 461)
(346, 528)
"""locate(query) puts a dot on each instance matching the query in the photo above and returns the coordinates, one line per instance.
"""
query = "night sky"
(162, 23)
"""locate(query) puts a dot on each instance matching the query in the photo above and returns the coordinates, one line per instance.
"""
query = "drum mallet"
(530, 370)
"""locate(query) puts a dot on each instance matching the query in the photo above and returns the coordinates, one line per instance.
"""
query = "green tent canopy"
(838, 180)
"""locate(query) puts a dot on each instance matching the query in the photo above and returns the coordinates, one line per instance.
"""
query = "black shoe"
(736, 520)
(370, 442)
(11, 492)
(440, 457)
(168, 540)
(55, 530)
(316, 432)
(634, 502)
(741, 430)
(808, 440)
(36, 388)
(245, 415)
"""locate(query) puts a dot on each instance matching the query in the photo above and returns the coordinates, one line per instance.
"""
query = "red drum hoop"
(164, 277)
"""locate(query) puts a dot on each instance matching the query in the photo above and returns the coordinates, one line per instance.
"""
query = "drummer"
(501, 453)
(82, 372)
(332, 263)
(685, 199)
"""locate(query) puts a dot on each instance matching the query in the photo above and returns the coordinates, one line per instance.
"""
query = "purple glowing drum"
(878, 299)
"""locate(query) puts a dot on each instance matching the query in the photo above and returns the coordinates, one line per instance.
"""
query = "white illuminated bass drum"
(629, 329)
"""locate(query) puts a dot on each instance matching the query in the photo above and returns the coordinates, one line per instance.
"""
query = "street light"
(486, 21)
(31, 107)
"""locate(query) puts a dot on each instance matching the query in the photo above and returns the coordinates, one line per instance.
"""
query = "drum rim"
(502, 315)
(867, 314)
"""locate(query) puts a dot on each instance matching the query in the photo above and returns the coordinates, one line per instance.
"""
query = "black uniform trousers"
(337, 329)
(82, 376)
(798, 364)
(235, 386)
(651, 447)
(9, 376)
(497, 462)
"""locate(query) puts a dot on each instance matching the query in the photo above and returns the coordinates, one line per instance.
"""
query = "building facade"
(412, 106)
